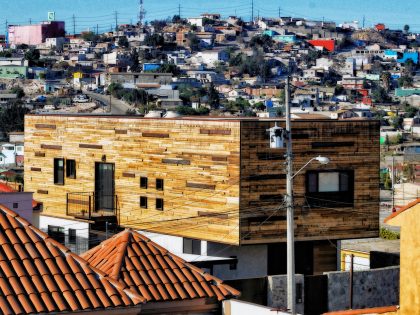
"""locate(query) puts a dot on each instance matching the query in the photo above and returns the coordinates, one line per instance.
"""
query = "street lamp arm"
(301, 169)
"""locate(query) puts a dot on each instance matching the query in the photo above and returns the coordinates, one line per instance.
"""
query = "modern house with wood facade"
(211, 185)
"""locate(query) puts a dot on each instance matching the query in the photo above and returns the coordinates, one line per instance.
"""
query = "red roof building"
(38, 275)
(328, 44)
(156, 274)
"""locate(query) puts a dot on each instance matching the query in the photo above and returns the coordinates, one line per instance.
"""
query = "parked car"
(80, 99)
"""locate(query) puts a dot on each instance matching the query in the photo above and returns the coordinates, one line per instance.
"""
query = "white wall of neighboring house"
(10, 151)
(196, 21)
(236, 307)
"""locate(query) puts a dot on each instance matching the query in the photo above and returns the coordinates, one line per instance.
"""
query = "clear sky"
(89, 13)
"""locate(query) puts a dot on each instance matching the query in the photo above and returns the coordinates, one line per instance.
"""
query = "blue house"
(270, 33)
(413, 55)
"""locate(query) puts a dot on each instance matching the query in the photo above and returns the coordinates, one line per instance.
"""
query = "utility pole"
(7, 34)
(258, 16)
(74, 24)
(392, 183)
(179, 10)
(252, 11)
(97, 29)
(279, 13)
(30, 21)
(291, 287)
(364, 22)
(116, 20)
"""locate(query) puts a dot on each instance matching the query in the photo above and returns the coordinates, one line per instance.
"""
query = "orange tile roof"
(152, 271)
(40, 275)
(366, 311)
(410, 205)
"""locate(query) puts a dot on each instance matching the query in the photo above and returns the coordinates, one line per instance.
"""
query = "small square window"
(143, 182)
(143, 202)
(159, 204)
(72, 236)
(15, 205)
(159, 184)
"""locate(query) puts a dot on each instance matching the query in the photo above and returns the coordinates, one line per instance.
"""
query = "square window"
(159, 204)
(143, 202)
(159, 184)
(71, 169)
(15, 205)
(57, 233)
(143, 182)
(191, 246)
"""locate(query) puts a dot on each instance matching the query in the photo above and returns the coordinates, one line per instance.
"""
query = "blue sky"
(89, 13)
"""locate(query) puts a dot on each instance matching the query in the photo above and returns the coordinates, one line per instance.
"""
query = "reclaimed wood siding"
(263, 185)
(200, 170)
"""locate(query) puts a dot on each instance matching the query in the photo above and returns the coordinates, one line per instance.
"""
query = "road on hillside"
(118, 107)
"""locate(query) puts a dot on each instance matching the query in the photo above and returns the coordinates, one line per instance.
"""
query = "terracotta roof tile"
(158, 275)
(408, 206)
(40, 275)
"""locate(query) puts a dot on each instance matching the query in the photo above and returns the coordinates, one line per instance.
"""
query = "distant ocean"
(89, 14)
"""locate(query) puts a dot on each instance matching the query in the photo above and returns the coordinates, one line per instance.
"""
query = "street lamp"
(278, 138)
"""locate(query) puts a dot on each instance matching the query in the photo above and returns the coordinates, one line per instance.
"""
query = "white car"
(80, 99)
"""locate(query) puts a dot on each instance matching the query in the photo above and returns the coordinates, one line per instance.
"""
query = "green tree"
(32, 55)
(90, 37)
(12, 117)
(193, 42)
(154, 40)
(405, 81)
(213, 96)
(18, 91)
(123, 42)
(176, 19)
(406, 28)
(386, 80)
(135, 64)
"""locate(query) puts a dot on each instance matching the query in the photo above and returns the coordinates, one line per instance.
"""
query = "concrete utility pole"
(179, 10)
(116, 20)
(252, 11)
(279, 12)
(291, 287)
(74, 24)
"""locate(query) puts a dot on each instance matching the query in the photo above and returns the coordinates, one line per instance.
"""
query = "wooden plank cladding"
(213, 215)
(332, 144)
(216, 131)
(51, 147)
(155, 135)
(208, 168)
(90, 146)
(36, 169)
(45, 126)
(201, 186)
(120, 132)
(39, 154)
(176, 162)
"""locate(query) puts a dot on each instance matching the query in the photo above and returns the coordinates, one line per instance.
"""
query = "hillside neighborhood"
(209, 165)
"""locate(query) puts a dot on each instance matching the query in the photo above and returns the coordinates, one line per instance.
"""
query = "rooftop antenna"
(142, 12)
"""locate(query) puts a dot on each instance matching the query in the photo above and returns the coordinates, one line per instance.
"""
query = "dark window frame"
(144, 182)
(71, 169)
(160, 184)
(159, 204)
(72, 236)
(191, 246)
(57, 233)
(59, 180)
(143, 202)
(15, 205)
(342, 198)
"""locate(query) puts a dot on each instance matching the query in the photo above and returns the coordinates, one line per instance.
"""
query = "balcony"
(91, 206)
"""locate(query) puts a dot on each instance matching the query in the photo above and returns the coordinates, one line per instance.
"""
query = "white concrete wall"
(82, 228)
(252, 261)
(174, 244)
(235, 307)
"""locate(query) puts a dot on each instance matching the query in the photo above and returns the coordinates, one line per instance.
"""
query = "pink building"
(35, 34)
